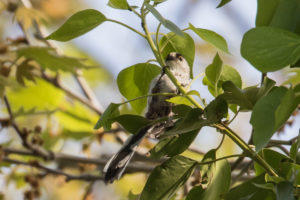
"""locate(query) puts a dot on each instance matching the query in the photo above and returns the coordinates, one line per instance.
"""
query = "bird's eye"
(180, 58)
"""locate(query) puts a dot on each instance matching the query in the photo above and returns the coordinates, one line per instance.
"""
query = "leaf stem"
(222, 158)
(148, 95)
(125, 25)
(246, 148)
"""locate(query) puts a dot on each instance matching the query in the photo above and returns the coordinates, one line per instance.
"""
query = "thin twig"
(88, 190)
(23, 136)
(283, 142)
(69, 177)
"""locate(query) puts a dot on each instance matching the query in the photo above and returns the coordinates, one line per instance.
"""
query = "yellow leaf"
(27, 16)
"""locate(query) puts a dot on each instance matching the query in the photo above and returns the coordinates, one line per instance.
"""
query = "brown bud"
(37, 129)
(11, 7)
(33, 163)
(3, 48)
(28, 195)
(4, 70)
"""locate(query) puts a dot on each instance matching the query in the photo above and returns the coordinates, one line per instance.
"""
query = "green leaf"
(195, 193)
(106, 118)
(269, 49)
(180, 100)
(172, 146)
(181, 110)
(207, 171)
(265, 11)
(134, 82)
(276, 160)
(230, 73)
(77, 25)
(245, 189)
(50, 140)
(263, 194)
(34, 96)
(216, 75)
(25, 71)
(270, 113)
(216, 110)
(77, 135)
(279, 13)
(294, 77)
(132, 196)
(219, 184)
(70, 117)
(263, 117)
(47, 58)
(132, 123)
(165, 179)
(167, 23)
(192, 121)
(211, 37)
(213, 72)
(183, 45)
(294, 148)
(223, 2)
(273, 179)
(284, 191)
(119, 4)
(247, 97)
(234, 95)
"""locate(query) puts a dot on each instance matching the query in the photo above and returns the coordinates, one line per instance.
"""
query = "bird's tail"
(115, 167)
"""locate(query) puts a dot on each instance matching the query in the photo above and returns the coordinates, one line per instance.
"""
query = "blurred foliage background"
(64, 124)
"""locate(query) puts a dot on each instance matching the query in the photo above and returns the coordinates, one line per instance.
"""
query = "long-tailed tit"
(157, 107)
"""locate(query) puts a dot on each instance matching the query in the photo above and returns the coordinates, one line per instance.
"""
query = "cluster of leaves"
(43, 110)
(272, 45)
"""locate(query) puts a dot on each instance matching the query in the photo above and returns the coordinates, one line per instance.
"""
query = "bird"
(158, 107)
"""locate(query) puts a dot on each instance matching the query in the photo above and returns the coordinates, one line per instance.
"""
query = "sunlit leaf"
(77, 25)
(230, 73)
(269, 49)
(42, 96)
(211, 37)
(165, 179)
(180, 100)
(49, 59)
(5, 82)
(134, 81)
(119, 4)
(106, 118)
(71, 119)
(213, 72)
(27, 16)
